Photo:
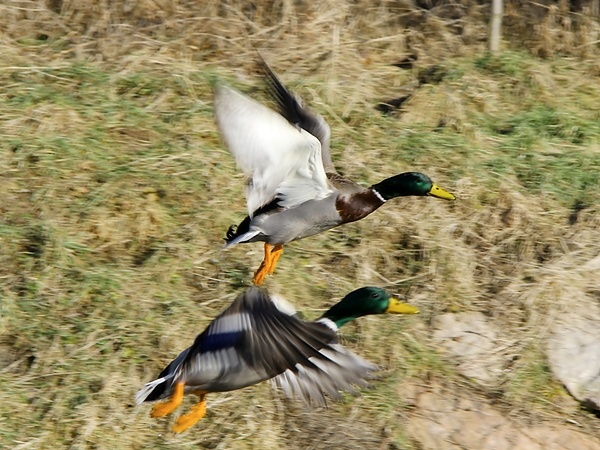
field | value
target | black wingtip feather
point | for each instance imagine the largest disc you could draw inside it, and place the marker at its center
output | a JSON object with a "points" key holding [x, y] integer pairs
{"points": [[288, 105]]}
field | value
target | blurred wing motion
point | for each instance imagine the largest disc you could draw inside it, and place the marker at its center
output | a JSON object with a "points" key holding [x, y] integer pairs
{"points": [[258, 338]]}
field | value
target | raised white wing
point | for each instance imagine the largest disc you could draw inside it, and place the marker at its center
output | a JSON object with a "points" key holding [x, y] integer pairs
{"points": [[291, 107], [280, 159]]}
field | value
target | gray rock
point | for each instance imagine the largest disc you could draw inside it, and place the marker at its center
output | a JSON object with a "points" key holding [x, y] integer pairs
{"points": [[574, 354], [473, 341], [447, 421]]}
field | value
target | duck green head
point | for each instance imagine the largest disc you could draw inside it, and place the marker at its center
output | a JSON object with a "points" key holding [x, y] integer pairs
{"points": [[365, 301], [410, 184]]}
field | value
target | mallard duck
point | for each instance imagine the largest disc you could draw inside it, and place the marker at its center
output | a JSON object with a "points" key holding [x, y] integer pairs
{"points": [[294, 190], [258, 338]]}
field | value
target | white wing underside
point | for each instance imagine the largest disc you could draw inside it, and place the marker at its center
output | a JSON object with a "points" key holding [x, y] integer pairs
{"points": [[280, 159]]}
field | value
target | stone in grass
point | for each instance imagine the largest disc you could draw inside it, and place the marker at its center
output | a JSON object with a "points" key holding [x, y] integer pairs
{"points": [[457, 420], [473, 341], [574, 354]]}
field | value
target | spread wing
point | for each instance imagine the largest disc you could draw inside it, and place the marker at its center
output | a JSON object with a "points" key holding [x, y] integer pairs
{"points": [[303, 357], [290, 107], [281, 160]]}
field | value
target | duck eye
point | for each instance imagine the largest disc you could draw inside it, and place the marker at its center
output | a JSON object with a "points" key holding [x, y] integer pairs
{"points": [[374, 295]]}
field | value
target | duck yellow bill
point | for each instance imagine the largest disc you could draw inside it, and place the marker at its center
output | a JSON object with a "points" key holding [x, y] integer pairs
{"points": [[438, 192], [397, 307]]}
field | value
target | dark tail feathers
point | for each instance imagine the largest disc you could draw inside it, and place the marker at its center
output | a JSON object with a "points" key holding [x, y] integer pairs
{"points": [[236, 230]]}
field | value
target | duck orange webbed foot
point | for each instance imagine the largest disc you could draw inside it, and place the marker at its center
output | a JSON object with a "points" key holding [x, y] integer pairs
{"points": [[196, 413], [162, 409]]}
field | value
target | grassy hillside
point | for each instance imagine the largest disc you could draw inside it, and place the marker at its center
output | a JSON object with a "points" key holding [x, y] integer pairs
{"points": [[115, 193]]}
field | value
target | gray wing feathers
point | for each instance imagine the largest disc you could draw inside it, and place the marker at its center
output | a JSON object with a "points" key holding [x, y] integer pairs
{"points": [[304, 357], [338, 369]]}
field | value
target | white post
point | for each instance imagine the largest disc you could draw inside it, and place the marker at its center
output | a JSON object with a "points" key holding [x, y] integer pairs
{"points": [[496, 26]]}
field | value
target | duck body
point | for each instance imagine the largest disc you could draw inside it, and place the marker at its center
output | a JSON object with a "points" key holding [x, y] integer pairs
{"points": [[221, 371], [283, 225], [259, 338], [241, 347], [294, 190]]}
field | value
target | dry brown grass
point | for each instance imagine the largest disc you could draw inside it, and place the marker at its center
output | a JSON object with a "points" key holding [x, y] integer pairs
{"points": [[115, 193]]}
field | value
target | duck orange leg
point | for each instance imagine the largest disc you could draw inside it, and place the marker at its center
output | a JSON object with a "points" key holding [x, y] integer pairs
{"points": [[162, 409], [261, 272], [196, 413], [267, 267], [275, 255]]}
